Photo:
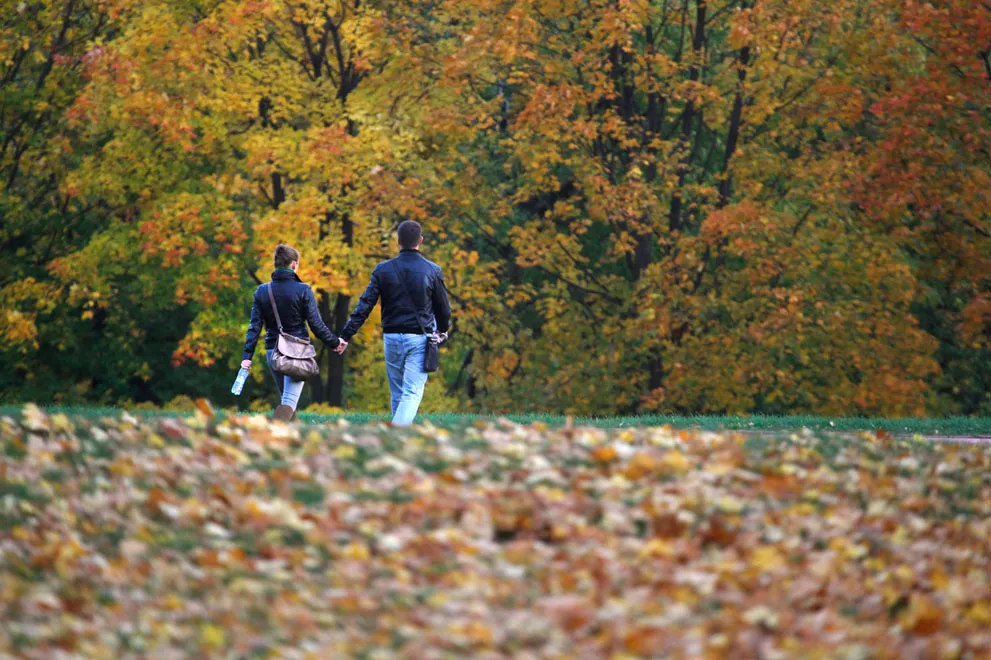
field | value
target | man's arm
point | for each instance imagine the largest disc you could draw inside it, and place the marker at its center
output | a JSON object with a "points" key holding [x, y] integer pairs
{"points": [[316, 323], [254, 330], [365, 305], [442, 307]]}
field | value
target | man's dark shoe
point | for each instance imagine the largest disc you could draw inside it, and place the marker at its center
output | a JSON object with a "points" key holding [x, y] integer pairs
{"points": [[283, 413]]}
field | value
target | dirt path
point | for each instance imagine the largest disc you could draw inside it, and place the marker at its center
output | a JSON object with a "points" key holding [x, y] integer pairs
{"points": [[961, 439], [966, 439]]}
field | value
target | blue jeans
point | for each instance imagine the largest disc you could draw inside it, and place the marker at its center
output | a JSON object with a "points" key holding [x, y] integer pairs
{"points": [[288, 388], [404, 366]]}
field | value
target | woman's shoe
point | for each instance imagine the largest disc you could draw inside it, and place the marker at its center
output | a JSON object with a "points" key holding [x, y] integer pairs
{"points": [[283, 413]]}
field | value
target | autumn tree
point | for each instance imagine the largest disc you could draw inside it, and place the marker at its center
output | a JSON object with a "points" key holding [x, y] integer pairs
{"points": [[59, 339], [640, 205], [663, 196], [270, 130], [926, 177]]}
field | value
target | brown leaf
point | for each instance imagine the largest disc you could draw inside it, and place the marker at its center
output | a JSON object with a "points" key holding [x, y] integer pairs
{"points": [[569, 611], [923, 615], [718, 532]]}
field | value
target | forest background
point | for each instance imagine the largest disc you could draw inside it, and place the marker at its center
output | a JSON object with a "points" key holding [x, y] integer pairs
{"points": [[766, 206]]}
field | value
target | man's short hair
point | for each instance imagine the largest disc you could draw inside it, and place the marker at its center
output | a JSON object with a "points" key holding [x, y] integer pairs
{"points": [[285, 255], [409, 234]]}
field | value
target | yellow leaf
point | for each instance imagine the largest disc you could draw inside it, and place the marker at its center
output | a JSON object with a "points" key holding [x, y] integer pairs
{"points": [[657, 548], [855, 551], [729, 504], [980, 612], [122, 467], [479, 633], [676, 462], [357, 551], [144, 535], [66, 559], [767, 558], [61, 422], [640, 466], [212, 637]]}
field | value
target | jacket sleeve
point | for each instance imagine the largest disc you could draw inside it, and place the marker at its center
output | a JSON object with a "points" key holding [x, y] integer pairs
{"points": [[442, 307], [254, 329], [365, 305], [316, 323]]}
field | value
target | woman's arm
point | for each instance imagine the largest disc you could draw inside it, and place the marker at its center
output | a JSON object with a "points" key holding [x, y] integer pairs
{"points": [[254, 330]]}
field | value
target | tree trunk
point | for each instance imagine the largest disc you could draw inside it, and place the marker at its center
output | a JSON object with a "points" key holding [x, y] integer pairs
{"points": [[677, 201], [335, 366], [333, 386], [735, 121]]}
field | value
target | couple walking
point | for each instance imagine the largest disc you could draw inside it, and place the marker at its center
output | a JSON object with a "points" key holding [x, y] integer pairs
{"points": [[414, 302]]}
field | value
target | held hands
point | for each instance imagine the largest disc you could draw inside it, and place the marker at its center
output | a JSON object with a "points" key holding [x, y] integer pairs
{"points": [[246, 364], [343, 345]]}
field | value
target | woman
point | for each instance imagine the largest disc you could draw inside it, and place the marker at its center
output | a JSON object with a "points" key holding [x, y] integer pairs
{"points": [[297, 306]]}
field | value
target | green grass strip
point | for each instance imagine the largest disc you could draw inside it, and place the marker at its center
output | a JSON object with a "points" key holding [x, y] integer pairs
{"points": [[949, 426]]}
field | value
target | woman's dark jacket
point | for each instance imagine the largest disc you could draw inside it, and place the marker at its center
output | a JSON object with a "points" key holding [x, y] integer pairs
{"points": [[297, 307]]}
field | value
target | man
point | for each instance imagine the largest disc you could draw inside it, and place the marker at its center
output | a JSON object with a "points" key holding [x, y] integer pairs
{"points": [[423, 295], [297, 307]]}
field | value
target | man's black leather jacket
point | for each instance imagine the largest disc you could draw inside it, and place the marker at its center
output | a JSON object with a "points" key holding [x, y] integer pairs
{"points": [[425, 283]]}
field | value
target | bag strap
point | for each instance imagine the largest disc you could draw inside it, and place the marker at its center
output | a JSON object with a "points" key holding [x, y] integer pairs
{"points": [[271, 297], [416, 313]]}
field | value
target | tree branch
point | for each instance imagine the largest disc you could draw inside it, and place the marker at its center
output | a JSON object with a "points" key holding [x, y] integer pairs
{"points": [[980, 230]]}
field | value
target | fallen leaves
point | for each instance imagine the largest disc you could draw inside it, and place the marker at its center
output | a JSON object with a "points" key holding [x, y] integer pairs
{"points": [[923, 616], [605, 454], [237, 537]]}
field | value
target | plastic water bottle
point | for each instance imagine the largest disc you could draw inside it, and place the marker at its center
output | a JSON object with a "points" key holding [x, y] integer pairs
{"points": [[239, 383]]}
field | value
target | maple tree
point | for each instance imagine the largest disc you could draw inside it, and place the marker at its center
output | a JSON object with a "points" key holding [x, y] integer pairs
{"points": [[926, 177], [652, 192]]}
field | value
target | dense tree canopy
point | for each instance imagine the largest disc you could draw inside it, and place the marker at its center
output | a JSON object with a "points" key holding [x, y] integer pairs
{"points": [[640, 205]]}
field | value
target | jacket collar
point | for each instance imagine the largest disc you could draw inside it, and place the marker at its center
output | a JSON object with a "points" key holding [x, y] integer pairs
{"points": [[412, 251], [284, 274]]}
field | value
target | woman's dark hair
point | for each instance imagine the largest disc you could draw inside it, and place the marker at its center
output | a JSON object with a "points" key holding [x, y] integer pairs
{"points": [[285, 255], [409, 234]]}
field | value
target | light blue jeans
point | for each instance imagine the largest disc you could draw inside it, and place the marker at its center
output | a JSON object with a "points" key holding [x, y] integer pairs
{"points": [[404, 366], [289, 389]]}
